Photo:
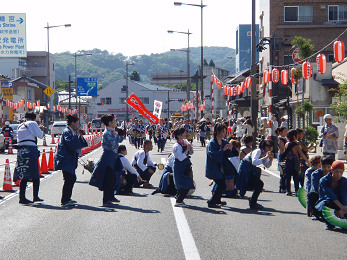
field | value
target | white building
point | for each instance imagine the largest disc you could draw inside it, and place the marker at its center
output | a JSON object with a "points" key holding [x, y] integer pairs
{"points": [[113, 97]]}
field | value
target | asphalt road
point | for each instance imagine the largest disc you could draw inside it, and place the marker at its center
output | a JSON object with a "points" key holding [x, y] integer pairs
{"points": [[147, 226]]}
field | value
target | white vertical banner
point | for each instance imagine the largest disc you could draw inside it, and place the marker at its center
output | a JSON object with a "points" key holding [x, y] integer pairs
{"points": [[158, 105]]}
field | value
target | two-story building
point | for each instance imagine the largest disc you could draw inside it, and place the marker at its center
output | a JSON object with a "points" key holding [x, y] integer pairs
{"points": [[111, 99], [280, 21]]}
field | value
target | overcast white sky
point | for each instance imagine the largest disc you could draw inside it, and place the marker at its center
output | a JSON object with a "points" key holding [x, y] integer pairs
{"points": [[131, 27]]}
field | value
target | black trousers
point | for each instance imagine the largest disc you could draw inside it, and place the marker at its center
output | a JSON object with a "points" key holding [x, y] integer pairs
{"points": [[313, 197], [256, 184], [181, 194], [23, 186], [217, 194], [69, 182], [202, 141], [130, 180], [289, 174], [161, 144], [109, 184]]}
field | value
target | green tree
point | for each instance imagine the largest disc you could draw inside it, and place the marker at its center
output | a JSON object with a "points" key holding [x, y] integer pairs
{"points": [[205, 62], [135, 76], [340, 100], [211, 64], [306, 50]]}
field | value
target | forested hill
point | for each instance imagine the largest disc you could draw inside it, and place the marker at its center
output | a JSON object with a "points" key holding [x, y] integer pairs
{"points": [[109, 67]]}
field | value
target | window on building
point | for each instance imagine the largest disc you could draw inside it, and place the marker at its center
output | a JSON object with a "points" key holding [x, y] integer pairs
{"points": [[145, 100], [298, 13], [337, 13], [288, 59], [108, 101], [121, 100], [29, 94], [102, 100], [331, 57]]}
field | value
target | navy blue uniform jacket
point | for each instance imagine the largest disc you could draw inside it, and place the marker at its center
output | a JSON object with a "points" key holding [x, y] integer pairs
{"points": [[214, 159], [67, 153]]}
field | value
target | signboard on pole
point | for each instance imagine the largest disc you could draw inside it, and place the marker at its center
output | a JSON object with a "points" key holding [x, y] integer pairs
{"points": [[87, 87], [158, 105], [7, 93], [13, 35], [296, 57]]}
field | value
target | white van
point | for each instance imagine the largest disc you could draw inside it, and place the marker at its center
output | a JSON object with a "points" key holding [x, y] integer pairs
{"points": [[58, 127]]}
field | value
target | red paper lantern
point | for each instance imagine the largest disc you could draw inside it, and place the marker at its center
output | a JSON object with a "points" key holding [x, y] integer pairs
{"points": [[339, 51], [230, 91], [49, 105], [8, 103], [38, 103], [306, 70], [266, 76], [58, 107], [321, 63], [219, 85], [248, 82], [53, 108], [30, 105], [34, 105], [225, 90], [213, 78], [243, 86], [234, 91], [238, 90], [275, 75], [292, 76], [284, 77]]}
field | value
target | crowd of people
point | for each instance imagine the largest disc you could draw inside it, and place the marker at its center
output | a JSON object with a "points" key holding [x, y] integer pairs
{"points": [[232, 166]]}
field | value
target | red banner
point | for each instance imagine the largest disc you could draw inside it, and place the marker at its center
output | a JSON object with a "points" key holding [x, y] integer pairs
{"points": [[136, 103]]}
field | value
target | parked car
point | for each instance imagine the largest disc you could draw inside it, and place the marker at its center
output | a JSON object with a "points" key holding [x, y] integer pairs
{"points": [[15, 130], [58, 127]]}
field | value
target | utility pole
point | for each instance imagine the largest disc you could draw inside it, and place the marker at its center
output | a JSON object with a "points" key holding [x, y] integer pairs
{"points": [[254, 99]]}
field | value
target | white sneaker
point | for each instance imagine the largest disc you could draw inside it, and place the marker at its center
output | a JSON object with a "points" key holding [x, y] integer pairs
{"points": [[182, 205]]}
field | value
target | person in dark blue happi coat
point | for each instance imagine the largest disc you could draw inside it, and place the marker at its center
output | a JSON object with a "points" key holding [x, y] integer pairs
{"points": [[313, 193], [249, 175], [166, 183], [315, 165], [218, 149], [104, 175], [333, 191], [70, 143], [182, 167]]}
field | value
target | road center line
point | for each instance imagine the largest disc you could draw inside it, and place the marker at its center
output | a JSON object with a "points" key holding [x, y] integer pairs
{"points": [[187, 240]]}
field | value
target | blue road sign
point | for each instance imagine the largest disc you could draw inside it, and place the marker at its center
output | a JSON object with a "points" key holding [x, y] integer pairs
{"points": [[87, 87]]}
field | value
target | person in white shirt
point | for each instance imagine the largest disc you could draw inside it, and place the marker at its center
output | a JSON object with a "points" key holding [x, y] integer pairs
{"points": [[129, 173], [27, 157], [144, 164]]}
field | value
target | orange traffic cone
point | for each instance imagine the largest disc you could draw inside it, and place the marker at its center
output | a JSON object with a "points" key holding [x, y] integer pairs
{"points": [[51, 160], [52, 142], [44, 140], [44, 168], [7, 186], [10, 151]]}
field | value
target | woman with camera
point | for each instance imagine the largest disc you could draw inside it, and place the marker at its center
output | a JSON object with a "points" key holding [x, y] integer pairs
{"points": [[66, 158], [104, 175]]}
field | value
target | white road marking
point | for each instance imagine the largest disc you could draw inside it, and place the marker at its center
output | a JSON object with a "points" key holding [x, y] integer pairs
{"points": [[189, 247]]}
